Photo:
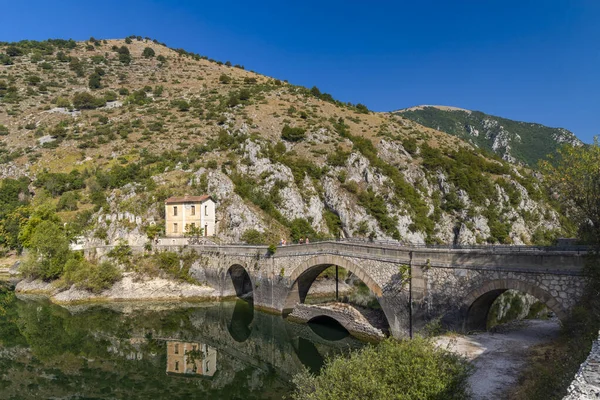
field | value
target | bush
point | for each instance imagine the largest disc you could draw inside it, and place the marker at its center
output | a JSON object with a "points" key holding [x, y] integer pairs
{"points": [[148, 52], [95, 81], [225, 79], [252, 236], [87, 101], [293, 134], [90, 276], [398, 370], [3, 130]]}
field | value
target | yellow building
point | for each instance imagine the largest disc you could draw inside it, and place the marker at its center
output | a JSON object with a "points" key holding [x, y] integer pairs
{"points": [[198, 211], [191, 358]]}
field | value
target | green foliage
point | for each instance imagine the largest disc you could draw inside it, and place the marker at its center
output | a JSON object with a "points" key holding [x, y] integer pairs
{"points": [[573, 176], [59, 183], [121, 253], [49, 251], [181, 104], [293, 134], [333, 221], [405, 370], [148, 52], [95, 81], [68, 202], [254, 237], [3, 130], [224, 79], [534, 143], [90, 276], [376, 206], [361, 108], [87, 101], [337, 158], [300, 228], [138, 97]]}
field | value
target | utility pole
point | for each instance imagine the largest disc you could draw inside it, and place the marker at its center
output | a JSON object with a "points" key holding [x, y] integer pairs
{"points": [[410, 306], [336, 284]]}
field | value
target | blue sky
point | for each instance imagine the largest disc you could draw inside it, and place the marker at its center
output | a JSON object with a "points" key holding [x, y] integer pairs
{"points": [[535, 61]]}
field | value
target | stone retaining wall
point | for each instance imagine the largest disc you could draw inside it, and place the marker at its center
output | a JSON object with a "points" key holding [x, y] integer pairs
{"points": [[586, 384]]}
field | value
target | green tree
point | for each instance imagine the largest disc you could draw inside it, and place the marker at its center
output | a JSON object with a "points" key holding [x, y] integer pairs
{"points": [[573, 174], [95, 81], [392, 370], [148, 52], [49, 251]]}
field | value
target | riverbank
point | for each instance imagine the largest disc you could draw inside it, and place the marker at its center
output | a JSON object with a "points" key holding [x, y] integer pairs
{"points": [[135, 287], [500, 357], [132, 287]]}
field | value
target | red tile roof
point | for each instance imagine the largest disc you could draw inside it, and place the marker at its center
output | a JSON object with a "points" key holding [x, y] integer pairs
{"points": [[188, 199]]}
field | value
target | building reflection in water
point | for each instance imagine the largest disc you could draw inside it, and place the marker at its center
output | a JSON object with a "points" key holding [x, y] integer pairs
{"points": [[191, 358]]}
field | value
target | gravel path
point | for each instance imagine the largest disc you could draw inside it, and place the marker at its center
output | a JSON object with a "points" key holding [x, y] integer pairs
{"points": [[499, 357]]}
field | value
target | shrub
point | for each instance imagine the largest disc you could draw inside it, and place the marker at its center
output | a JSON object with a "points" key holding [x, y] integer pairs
{"points": [[293, 134], [409, 369], [225, 79], [361, 108], [90, 276], [148, 52], [95, 81], [252, 236], [63, 102], [3, 130], [87, 101]]}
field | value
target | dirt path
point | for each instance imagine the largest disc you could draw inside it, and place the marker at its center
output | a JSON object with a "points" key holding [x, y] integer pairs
{"points": [[499, 357]]}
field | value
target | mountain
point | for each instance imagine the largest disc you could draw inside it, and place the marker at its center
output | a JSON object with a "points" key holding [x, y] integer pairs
{"points": [[514, 141], [106, 130]]}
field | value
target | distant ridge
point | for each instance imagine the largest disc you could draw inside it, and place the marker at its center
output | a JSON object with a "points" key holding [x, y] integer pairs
{"points": [[515, 141]]}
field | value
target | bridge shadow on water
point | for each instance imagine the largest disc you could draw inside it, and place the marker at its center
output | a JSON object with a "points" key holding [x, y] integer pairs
{"points": [[240, 326], [328, 328]]}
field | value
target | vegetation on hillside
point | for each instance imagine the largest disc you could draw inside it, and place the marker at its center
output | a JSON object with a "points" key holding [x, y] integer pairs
{"points": [[528, 142]]}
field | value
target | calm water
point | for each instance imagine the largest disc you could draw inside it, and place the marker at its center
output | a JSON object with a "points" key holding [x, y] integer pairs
{"points": [[154, 351]]}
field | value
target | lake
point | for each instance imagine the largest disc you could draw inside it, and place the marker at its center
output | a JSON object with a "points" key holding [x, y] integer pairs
{"points": [[224, 350]]}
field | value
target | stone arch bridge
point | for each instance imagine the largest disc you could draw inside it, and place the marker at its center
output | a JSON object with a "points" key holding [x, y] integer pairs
{"points": [[412, 284]]}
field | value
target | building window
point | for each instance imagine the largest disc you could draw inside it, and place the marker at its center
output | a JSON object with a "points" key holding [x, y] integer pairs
{"points": [[174, 211], [176, 348], [205, 230], [176, 365], [205, 210], [193, 210], [175, 228]]}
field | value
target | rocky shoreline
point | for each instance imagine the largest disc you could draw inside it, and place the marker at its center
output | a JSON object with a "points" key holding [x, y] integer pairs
{"points": [[131, 288]]}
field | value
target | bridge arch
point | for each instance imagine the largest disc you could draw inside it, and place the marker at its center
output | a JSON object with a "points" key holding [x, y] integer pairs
{"points": [[238, 282], [305, 274], [478, 302]]}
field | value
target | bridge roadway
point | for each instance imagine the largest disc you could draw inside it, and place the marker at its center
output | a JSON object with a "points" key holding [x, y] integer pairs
{"points": [[413, 284]]}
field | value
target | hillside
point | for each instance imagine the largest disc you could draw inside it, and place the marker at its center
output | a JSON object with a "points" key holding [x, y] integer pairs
{"points": [[106, 130], [514, 141]]}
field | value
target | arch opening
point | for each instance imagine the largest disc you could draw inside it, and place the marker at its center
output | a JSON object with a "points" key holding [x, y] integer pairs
{"points": [[328, 328], [242, 284], [484, 304], [357, 289]]}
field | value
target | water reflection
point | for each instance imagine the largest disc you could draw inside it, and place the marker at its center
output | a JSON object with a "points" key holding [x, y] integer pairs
{"points": [[240, 326], [191, 358], [328, 328], [121, 351]]}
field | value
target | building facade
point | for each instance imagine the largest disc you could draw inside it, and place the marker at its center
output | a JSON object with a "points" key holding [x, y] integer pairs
{"points": [[184, 212]]}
